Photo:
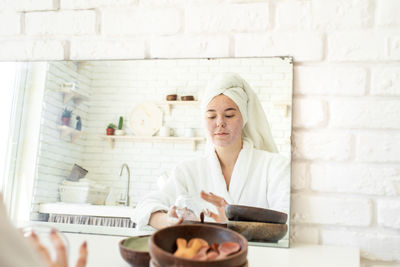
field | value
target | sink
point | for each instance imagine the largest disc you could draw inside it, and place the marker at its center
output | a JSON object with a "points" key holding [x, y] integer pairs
{"points": [[86, 209]]}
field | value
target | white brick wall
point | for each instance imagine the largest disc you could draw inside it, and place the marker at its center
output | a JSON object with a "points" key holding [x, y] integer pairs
{"points": [[57, 156], [62, 22], [346, 53]]}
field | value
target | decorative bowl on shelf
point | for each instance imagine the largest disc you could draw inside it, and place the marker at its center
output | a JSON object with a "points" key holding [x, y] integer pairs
{"points": [[172, 97], [187, 98]]}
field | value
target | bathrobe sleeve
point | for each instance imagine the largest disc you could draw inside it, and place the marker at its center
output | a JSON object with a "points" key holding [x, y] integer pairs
{"points": [[160, 200], [278, 190]]}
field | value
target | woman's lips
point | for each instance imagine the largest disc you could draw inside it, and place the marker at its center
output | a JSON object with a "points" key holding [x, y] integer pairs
{"points": [[221, 134]]}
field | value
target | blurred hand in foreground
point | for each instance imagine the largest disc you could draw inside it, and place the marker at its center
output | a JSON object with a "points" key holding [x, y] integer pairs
{"points": [[61, 253]]}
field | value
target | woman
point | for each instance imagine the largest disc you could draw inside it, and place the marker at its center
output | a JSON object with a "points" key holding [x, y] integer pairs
{"points": [[240, 166]]}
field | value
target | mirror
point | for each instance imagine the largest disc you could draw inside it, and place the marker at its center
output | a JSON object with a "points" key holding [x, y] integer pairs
{"points": [[68, 106]]}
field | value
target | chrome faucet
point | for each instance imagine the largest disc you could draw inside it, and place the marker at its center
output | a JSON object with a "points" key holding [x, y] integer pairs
{"points": [[126, 202]]}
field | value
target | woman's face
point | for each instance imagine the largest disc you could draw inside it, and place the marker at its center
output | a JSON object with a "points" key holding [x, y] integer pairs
{"points": [[223, 121]]}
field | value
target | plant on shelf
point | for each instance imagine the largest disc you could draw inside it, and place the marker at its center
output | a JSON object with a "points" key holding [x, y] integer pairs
{"points": [[119, 131], [111, 128], [66, 117]]}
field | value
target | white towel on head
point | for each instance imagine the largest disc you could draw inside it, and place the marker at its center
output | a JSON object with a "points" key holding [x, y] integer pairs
{"points": [[255, 124]]}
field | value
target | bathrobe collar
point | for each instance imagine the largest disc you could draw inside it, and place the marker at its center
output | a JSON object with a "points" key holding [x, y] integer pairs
{"points": [[239, 174]]}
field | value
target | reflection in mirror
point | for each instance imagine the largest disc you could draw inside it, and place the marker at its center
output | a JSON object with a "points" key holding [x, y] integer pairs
{"points": [[113, 132]]}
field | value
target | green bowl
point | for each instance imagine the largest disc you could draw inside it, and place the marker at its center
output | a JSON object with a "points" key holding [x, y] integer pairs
{"points": [[135, 250]]}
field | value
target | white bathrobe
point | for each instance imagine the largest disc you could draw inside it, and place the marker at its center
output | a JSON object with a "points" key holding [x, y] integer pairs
{"points": [[259, 179]]}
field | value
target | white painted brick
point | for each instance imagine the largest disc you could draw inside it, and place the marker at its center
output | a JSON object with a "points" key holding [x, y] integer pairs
{"points": [[387, 13], [190, 46], [378, 147], [10, 23], [303, 46], [107, 49], [356, 178], [365, 113], [357, 45], [300, 174], [309, 113], [63, 22], [31, 50], [141, 21], [388, 213], [161, 3], [304, 234], [293, 15], [85, 4], [373, 245], [329, 80], [394, 47], [330, 15], [36, 5], [225, 18], [325, 145], [386, 81], [331, 210]]}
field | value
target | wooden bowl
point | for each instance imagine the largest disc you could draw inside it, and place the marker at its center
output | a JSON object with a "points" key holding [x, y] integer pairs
{"points": [[253, 214], [162, 245], [171, 97], [259, 232], [187, 98], [134, 250], [223, 225]]}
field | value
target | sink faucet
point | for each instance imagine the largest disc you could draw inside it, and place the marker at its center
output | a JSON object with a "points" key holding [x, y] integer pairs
{"points": [[126, 201]]}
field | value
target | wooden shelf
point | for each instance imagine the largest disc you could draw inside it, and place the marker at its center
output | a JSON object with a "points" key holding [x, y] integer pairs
{"points": [[111, 139], [168, 104], [69, 131], [70, 93]]}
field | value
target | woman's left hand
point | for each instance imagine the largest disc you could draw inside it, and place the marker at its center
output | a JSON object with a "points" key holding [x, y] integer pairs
{"points": [[219, 202]]}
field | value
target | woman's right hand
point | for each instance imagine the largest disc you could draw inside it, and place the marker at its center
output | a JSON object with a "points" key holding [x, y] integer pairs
{"points": [[162, 219], [173, 218]]}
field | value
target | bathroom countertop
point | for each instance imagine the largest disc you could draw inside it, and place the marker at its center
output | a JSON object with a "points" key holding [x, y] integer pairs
{"points": [[104, 251]]}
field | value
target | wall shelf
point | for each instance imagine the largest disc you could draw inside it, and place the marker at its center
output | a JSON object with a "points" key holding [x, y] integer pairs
{"points": [[70, 93], [112, 138], [69, 131], [168, 104]]}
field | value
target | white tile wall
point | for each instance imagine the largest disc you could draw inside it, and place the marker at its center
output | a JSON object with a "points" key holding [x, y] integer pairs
{"points": [[57, 156]]}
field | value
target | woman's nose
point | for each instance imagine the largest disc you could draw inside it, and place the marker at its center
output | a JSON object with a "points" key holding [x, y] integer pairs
{"points": [[221, 122]]}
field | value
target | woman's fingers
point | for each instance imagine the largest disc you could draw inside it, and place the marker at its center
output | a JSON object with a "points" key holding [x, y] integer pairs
{"points": [[217, 217], [82, 255], [173, 218], [213, 199], [61, 252], [40, 248], [172, 212]]}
